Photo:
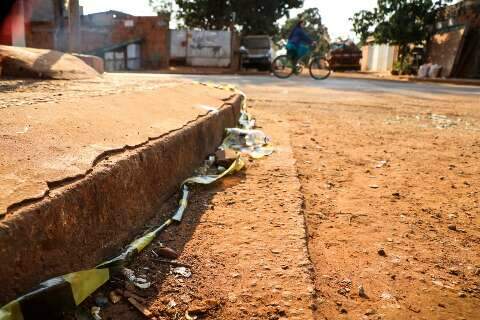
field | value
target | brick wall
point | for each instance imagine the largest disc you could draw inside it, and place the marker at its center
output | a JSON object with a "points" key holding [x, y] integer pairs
{"points": [[154, 32]]}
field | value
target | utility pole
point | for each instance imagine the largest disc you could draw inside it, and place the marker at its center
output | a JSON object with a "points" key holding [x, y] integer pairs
{"points": [[74, 25]]}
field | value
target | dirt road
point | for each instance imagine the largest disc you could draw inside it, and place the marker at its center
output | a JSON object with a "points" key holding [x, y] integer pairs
{"points": [[387, 184], [391, 189], [369, 209]]}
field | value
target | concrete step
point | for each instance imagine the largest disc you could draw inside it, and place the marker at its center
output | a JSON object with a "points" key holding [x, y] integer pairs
{"points": [[80, 179]]}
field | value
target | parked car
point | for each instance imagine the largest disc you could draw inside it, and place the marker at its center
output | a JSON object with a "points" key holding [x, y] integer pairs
{"points": [[257, 52], [345, 55]]}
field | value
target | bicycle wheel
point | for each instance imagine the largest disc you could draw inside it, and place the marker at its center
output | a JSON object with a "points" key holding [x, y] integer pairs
{"points": [[319, 68], [282, 67]]}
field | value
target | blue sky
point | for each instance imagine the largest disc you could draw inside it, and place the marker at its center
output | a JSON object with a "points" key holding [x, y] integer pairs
{"points": [[335, 13]]}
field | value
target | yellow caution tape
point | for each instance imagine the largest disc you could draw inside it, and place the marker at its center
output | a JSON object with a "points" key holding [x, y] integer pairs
{"points": [[83, 283], [11, 311]]}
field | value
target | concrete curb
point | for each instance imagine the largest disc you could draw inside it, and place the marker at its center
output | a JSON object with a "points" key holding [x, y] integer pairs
{"points": [[459, 82], [82, 223]]}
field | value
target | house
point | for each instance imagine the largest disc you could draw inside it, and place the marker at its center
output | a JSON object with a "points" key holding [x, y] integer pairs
{"points": [[127, 42], [455, 44]]}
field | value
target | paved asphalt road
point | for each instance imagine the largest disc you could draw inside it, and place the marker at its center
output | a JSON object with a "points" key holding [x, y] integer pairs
{"points": [[340, 84]]}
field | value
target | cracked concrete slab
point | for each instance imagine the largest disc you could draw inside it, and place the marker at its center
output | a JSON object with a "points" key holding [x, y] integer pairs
{"points": [[44, 145]]}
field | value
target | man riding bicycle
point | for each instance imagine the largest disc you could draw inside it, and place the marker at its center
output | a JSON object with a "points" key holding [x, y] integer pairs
{"points": [[299, 42]]}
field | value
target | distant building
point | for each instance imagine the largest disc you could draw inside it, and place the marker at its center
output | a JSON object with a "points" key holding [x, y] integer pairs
{"points": [[104, 19], [378, 57], [37, 24], [455, 44], [127, 42], [124, 40]]}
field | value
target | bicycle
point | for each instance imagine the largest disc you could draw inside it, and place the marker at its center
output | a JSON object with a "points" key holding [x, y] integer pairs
{"points": [[318, 66]]}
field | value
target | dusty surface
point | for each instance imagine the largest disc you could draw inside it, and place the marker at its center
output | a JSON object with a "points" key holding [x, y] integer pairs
{"points": [[43, 64], [383, 178], [389, 181], [394, 172], [244, 241], [45, 143]]}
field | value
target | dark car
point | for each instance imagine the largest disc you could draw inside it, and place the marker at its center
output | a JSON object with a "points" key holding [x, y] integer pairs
{"points": [[345, 55]]}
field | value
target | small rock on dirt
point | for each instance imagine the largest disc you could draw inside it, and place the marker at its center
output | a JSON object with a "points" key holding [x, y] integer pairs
{"points": [[381, 252], [452, 227], [361, 292], [202, 307], [167, 252]]}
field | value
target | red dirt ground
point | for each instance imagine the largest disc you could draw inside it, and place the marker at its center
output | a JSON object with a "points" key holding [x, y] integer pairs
{"points": [[375, 190]]}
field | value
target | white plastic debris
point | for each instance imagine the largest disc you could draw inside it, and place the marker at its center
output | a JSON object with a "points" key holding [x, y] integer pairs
{"points": [[139, 282], [381, 164], [95, 312], [182, 271], [189, 317]]}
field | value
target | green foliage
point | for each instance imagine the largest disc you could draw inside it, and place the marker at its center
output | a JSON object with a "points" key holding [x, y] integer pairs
{"points": [[162, 6], [398, 22], [313, 26], [251, 16]]}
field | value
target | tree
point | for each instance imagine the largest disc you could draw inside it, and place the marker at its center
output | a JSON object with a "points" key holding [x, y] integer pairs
{"points": [[313, 25], [161, 6], [398, 22], [251, 16]]}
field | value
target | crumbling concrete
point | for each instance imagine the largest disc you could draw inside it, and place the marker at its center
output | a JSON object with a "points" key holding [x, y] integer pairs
{"points": [[82, 219]]}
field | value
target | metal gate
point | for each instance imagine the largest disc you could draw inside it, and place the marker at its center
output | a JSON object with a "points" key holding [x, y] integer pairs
{"points": [[203, 48]]}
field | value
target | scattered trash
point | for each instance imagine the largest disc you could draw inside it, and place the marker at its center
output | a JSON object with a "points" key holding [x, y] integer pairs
{"points": [[167, 252], [442, 121], [139, 282], [182, 271], [381, 164], [147, 313], [114, 297], [95, 312]]}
